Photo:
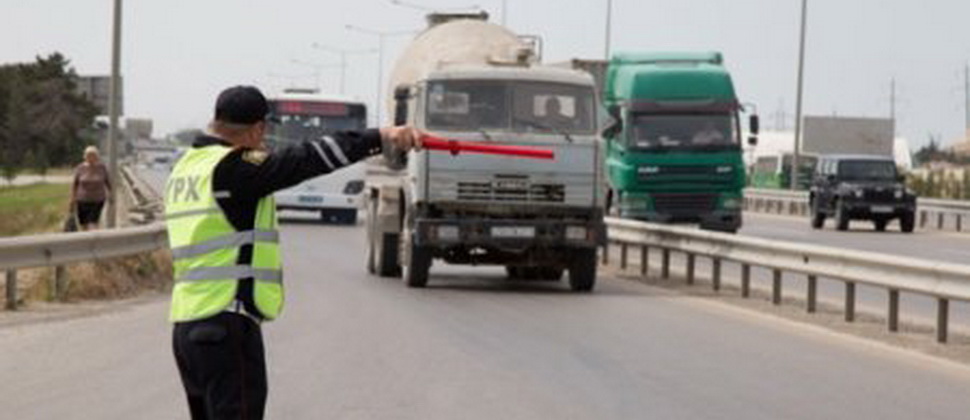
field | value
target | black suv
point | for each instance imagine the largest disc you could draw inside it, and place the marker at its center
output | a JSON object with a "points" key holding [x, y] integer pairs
{"points": [[860, 187]]}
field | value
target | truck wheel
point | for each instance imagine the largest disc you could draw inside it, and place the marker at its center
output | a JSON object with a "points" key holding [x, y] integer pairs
{"points": [[371, 235], [907, 222], [387, 263], [841, 216], [880, 224], [419, 263], [582, 270], [818, 218]]}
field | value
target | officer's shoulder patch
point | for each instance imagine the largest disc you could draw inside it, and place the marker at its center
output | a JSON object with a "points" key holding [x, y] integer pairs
{"points": [[254, 156]]}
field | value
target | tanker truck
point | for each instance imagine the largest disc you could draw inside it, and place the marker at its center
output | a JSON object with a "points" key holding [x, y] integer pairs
{"points": [[466, 79]]}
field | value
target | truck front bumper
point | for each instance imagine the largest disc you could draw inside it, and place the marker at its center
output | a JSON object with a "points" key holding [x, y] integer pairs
{"points": [[509, 233]]}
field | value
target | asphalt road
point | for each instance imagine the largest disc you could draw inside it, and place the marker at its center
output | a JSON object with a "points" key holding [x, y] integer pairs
{"points": [[474, 346], [927, 244]]}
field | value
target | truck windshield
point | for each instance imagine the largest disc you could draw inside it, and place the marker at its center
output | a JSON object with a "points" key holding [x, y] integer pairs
{"points": [[511, 106], [694, 131], [867, 170]]}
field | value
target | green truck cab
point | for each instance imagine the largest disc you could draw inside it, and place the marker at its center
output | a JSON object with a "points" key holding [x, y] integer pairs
{"points": [[673, 151]]}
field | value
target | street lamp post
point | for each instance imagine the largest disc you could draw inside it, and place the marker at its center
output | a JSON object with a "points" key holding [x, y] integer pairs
{"points": [[114, 90], [609, 27], [343, 53], [798, 100], [381, 36]]}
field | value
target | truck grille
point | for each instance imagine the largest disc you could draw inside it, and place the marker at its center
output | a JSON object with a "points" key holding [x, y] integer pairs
{"points": [[511, 188], [689, 173], [684, 204]]}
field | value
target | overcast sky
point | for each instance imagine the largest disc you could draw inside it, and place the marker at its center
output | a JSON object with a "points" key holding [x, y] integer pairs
{"points": [[178, 54]]}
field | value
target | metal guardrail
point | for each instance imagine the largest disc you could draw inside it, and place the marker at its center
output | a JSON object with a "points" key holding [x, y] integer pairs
{"points": [[896, 274], [146, 202], [55, 250], [945, 214]]}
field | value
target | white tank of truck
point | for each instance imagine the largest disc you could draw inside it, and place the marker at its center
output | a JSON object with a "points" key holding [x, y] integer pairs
{"points": [[470, 80]]}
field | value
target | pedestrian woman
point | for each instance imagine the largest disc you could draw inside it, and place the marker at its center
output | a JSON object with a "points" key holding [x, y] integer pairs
{"points": [[90, 190]]}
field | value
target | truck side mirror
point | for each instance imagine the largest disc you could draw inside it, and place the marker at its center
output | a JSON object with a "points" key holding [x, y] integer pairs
{"points": [[401, 96], [754, 124], [615, 124]]}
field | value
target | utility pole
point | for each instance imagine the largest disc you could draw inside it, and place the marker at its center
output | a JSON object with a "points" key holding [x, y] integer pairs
{"points": [[892, 105], [609, 28], [798, 100], [966, 97], [114, 91]]}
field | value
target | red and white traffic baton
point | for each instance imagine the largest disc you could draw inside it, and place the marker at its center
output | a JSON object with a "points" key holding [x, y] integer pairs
{"points": [[455, 147]]}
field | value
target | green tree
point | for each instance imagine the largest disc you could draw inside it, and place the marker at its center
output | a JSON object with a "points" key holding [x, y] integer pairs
{"points": [[41, 113]]}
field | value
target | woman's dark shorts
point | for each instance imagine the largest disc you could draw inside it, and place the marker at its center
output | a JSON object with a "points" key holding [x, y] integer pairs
{"points": [[89, 213]]}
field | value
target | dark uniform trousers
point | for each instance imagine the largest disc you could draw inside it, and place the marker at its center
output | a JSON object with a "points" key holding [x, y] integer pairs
{"points": [[222, 364]]}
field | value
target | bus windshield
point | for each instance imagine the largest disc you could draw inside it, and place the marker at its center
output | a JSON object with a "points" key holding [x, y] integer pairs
{"points": [[542, 107], [295, 121], [683, 131]]}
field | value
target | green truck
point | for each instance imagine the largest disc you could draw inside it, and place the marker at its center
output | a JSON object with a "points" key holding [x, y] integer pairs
{"points": [[673, 149]]}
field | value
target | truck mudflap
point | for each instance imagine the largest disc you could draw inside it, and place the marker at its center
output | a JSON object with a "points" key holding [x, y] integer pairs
{"points": [[509, 233]]}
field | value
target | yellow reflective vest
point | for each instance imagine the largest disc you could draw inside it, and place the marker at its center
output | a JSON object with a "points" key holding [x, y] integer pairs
{"points": [[205, 246]]}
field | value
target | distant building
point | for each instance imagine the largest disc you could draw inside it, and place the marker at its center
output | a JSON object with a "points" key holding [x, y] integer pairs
{"points": [[138, 128], [96, 89]]}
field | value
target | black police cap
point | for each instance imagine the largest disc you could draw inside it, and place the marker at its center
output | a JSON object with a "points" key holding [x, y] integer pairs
{"points": [[241, 105]]}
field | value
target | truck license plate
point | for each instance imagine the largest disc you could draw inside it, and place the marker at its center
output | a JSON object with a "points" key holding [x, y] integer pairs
{"points": [[881, 209], [314, 199], [513, 232]]}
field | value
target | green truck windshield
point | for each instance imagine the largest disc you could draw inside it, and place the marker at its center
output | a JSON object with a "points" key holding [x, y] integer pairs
{"points": [[692, 131], [472, 105]]}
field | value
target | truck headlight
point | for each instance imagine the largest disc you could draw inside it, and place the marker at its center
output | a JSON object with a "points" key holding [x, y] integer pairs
{"points": [[858, 193], [731, 203], [354, 187], [899, 194], [447, 232], [576, 233]]}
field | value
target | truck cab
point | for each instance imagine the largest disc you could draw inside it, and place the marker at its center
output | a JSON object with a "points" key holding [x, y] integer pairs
{"points": [[674, 152]]}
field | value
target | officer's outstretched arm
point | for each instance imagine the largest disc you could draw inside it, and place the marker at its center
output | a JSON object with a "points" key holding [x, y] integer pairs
{"points": [[256, 173]]}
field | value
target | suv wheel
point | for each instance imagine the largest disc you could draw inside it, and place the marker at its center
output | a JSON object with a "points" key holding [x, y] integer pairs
{"points": [[841, 216], [907, 222], [818, 218]]}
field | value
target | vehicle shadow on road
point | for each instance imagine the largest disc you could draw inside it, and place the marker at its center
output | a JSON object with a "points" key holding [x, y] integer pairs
{"points": [[499, 284]]}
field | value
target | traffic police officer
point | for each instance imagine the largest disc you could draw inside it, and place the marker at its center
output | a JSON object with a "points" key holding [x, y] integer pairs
{"points": [[222, 230]]}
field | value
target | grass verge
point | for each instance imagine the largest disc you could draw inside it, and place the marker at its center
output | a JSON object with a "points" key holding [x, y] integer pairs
{"points": [[30, 209]]}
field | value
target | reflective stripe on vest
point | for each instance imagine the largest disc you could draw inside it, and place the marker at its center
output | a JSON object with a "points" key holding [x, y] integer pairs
{"points": [[206, 247]]}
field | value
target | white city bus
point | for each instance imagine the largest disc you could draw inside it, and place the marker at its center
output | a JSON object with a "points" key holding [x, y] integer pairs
{"points": [[303, 115]]}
